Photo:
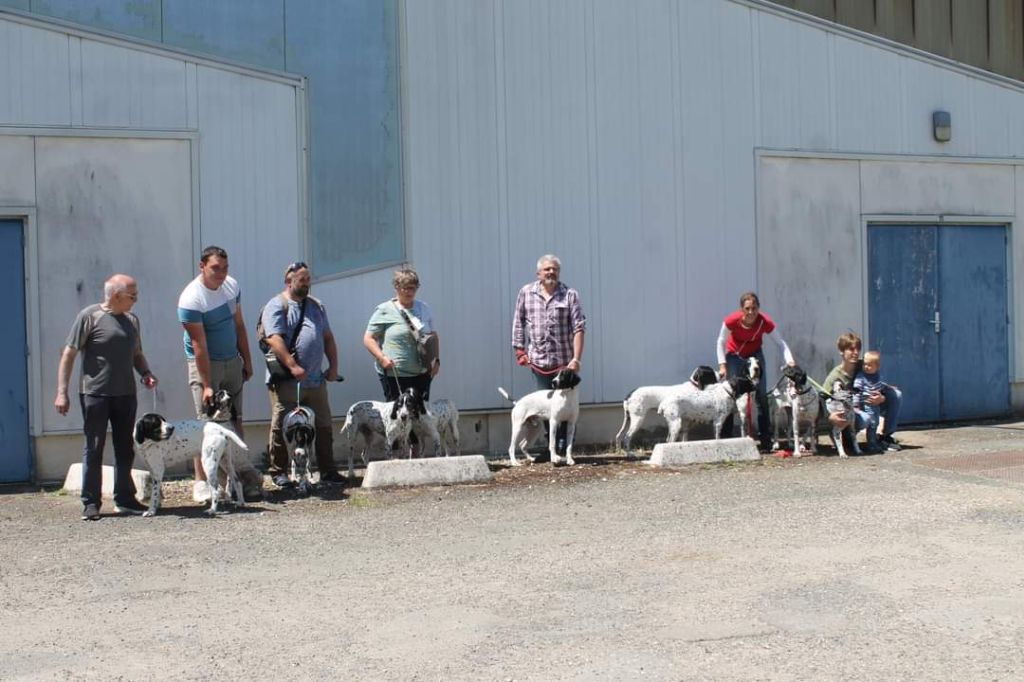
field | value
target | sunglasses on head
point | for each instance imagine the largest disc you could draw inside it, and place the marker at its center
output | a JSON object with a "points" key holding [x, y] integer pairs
{"points": [[297, 265]]}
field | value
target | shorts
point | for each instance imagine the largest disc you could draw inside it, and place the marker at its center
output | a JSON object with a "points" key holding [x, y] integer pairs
{"points": [[224, 375]]}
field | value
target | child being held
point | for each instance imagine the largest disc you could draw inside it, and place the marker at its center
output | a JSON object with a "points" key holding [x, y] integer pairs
{"points": [[868, 383]]}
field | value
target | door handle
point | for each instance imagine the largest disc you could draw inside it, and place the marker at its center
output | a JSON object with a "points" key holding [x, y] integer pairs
{"points": [[937, 321]]}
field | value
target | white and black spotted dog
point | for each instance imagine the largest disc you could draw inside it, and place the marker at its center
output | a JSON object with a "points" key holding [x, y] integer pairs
{"points": [[841, 401], [797, 408], [560, 404], [299, 430], [372, 423], [162, 444], [644, 400], [746, 405], [439, 425], [685, 409]]}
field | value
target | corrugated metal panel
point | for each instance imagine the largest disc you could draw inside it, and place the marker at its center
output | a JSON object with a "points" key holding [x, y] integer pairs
{"points": [[856, 13], [1006, 37], [17, 172], [33, 76], [895, 20], [128, 89], [248, 161], [970, 32], [247, 130], [933, 30], [621, 136]]}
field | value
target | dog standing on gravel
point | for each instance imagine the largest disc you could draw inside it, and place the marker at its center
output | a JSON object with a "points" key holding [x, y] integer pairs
{"points": [[645, 399], [439, 424], [805, 404], [714, 405], [162, 444], [371, 422], [560, 404], [299, 431]]}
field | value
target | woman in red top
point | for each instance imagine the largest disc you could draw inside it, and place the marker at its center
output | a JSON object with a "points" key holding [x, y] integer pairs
{"points": [[741, 338]]}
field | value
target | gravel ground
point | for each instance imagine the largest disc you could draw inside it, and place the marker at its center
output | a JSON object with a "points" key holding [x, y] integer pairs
{"points": [[896, 567]]}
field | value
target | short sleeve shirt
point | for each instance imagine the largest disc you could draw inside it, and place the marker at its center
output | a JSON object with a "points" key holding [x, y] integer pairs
{"points": [[309, 346], [743, 341], [108, 344], [396, 338], [215, 309]]}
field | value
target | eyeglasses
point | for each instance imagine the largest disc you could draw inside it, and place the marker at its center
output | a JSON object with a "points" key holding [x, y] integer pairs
{"points": [[410, 287], [297, 265]]}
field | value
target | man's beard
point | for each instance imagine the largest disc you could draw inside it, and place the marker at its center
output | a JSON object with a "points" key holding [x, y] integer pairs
{"points": [[300, 292], [550, 281]]}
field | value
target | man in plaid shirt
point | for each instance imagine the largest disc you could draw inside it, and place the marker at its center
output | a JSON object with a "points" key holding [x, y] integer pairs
{"points": [[548, 326]]}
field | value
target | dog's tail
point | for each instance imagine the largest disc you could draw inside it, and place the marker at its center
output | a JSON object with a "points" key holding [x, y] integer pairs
{"points": [[505, 395], [625, 423], [234, 437]]}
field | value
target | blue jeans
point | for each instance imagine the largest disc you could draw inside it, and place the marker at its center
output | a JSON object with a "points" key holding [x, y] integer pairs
{"points": [[737, 366], [97, 411], [868, 416], [543, 382]]}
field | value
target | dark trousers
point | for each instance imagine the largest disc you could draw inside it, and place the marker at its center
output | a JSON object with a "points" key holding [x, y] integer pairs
{"points": [[737, 366], [544, 384], [97, 411], [282, 401], [393, 387]]}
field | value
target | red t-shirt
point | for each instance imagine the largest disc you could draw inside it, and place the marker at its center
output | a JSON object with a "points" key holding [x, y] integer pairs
{"points": [[742, 341]]}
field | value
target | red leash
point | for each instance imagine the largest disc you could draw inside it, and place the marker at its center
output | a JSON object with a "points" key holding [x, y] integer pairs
{"points": [[536, 369]]}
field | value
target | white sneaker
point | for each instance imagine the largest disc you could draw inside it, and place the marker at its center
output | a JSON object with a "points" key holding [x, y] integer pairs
{"points": [[200, 491]]}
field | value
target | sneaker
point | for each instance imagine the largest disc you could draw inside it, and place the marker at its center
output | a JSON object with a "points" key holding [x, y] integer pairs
{"points": [[200, 491], [872, 449], [331, 477], [91, 513], [282, 481], [133, 507]]}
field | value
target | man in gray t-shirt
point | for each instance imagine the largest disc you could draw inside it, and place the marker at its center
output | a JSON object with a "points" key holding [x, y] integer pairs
{"points": [[314, 342], [107, 334]]}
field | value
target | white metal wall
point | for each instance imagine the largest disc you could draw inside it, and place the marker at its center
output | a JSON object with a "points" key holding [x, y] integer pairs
{"points": [[132, 158], [622, 136]]}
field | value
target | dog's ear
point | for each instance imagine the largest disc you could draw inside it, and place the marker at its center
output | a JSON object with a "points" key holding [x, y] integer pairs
{"points": [[394, 407], [572, 380], [137, 432]]}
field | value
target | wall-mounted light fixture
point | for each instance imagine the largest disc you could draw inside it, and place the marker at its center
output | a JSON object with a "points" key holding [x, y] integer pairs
{"points": [[942, 127]]}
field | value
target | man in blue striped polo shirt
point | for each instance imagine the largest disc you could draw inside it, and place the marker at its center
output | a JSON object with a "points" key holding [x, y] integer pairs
{"points": [[217, 352]]}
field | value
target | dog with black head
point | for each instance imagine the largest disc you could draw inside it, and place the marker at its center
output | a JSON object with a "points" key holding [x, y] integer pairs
{"points": [[370, 423], [713, 405], [161, 444], [299, 431], [644, 400], [805, 404], [560, 404]]}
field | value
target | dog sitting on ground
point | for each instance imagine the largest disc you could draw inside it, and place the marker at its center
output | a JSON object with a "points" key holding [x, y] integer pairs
{"points": [[714, 405], [299, 431], [841, 402], [440, 425], [645, 399], [560, 404], [373, 423], [162, 444], [804, 403]]}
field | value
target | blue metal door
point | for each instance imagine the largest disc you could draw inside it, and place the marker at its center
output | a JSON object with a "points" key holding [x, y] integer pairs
{"points": [[15, 456], [937, 310]]}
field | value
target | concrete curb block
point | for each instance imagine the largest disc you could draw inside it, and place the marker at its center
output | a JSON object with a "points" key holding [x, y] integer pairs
{"points": [[73, 481], [704, 452], [427, 471]]}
